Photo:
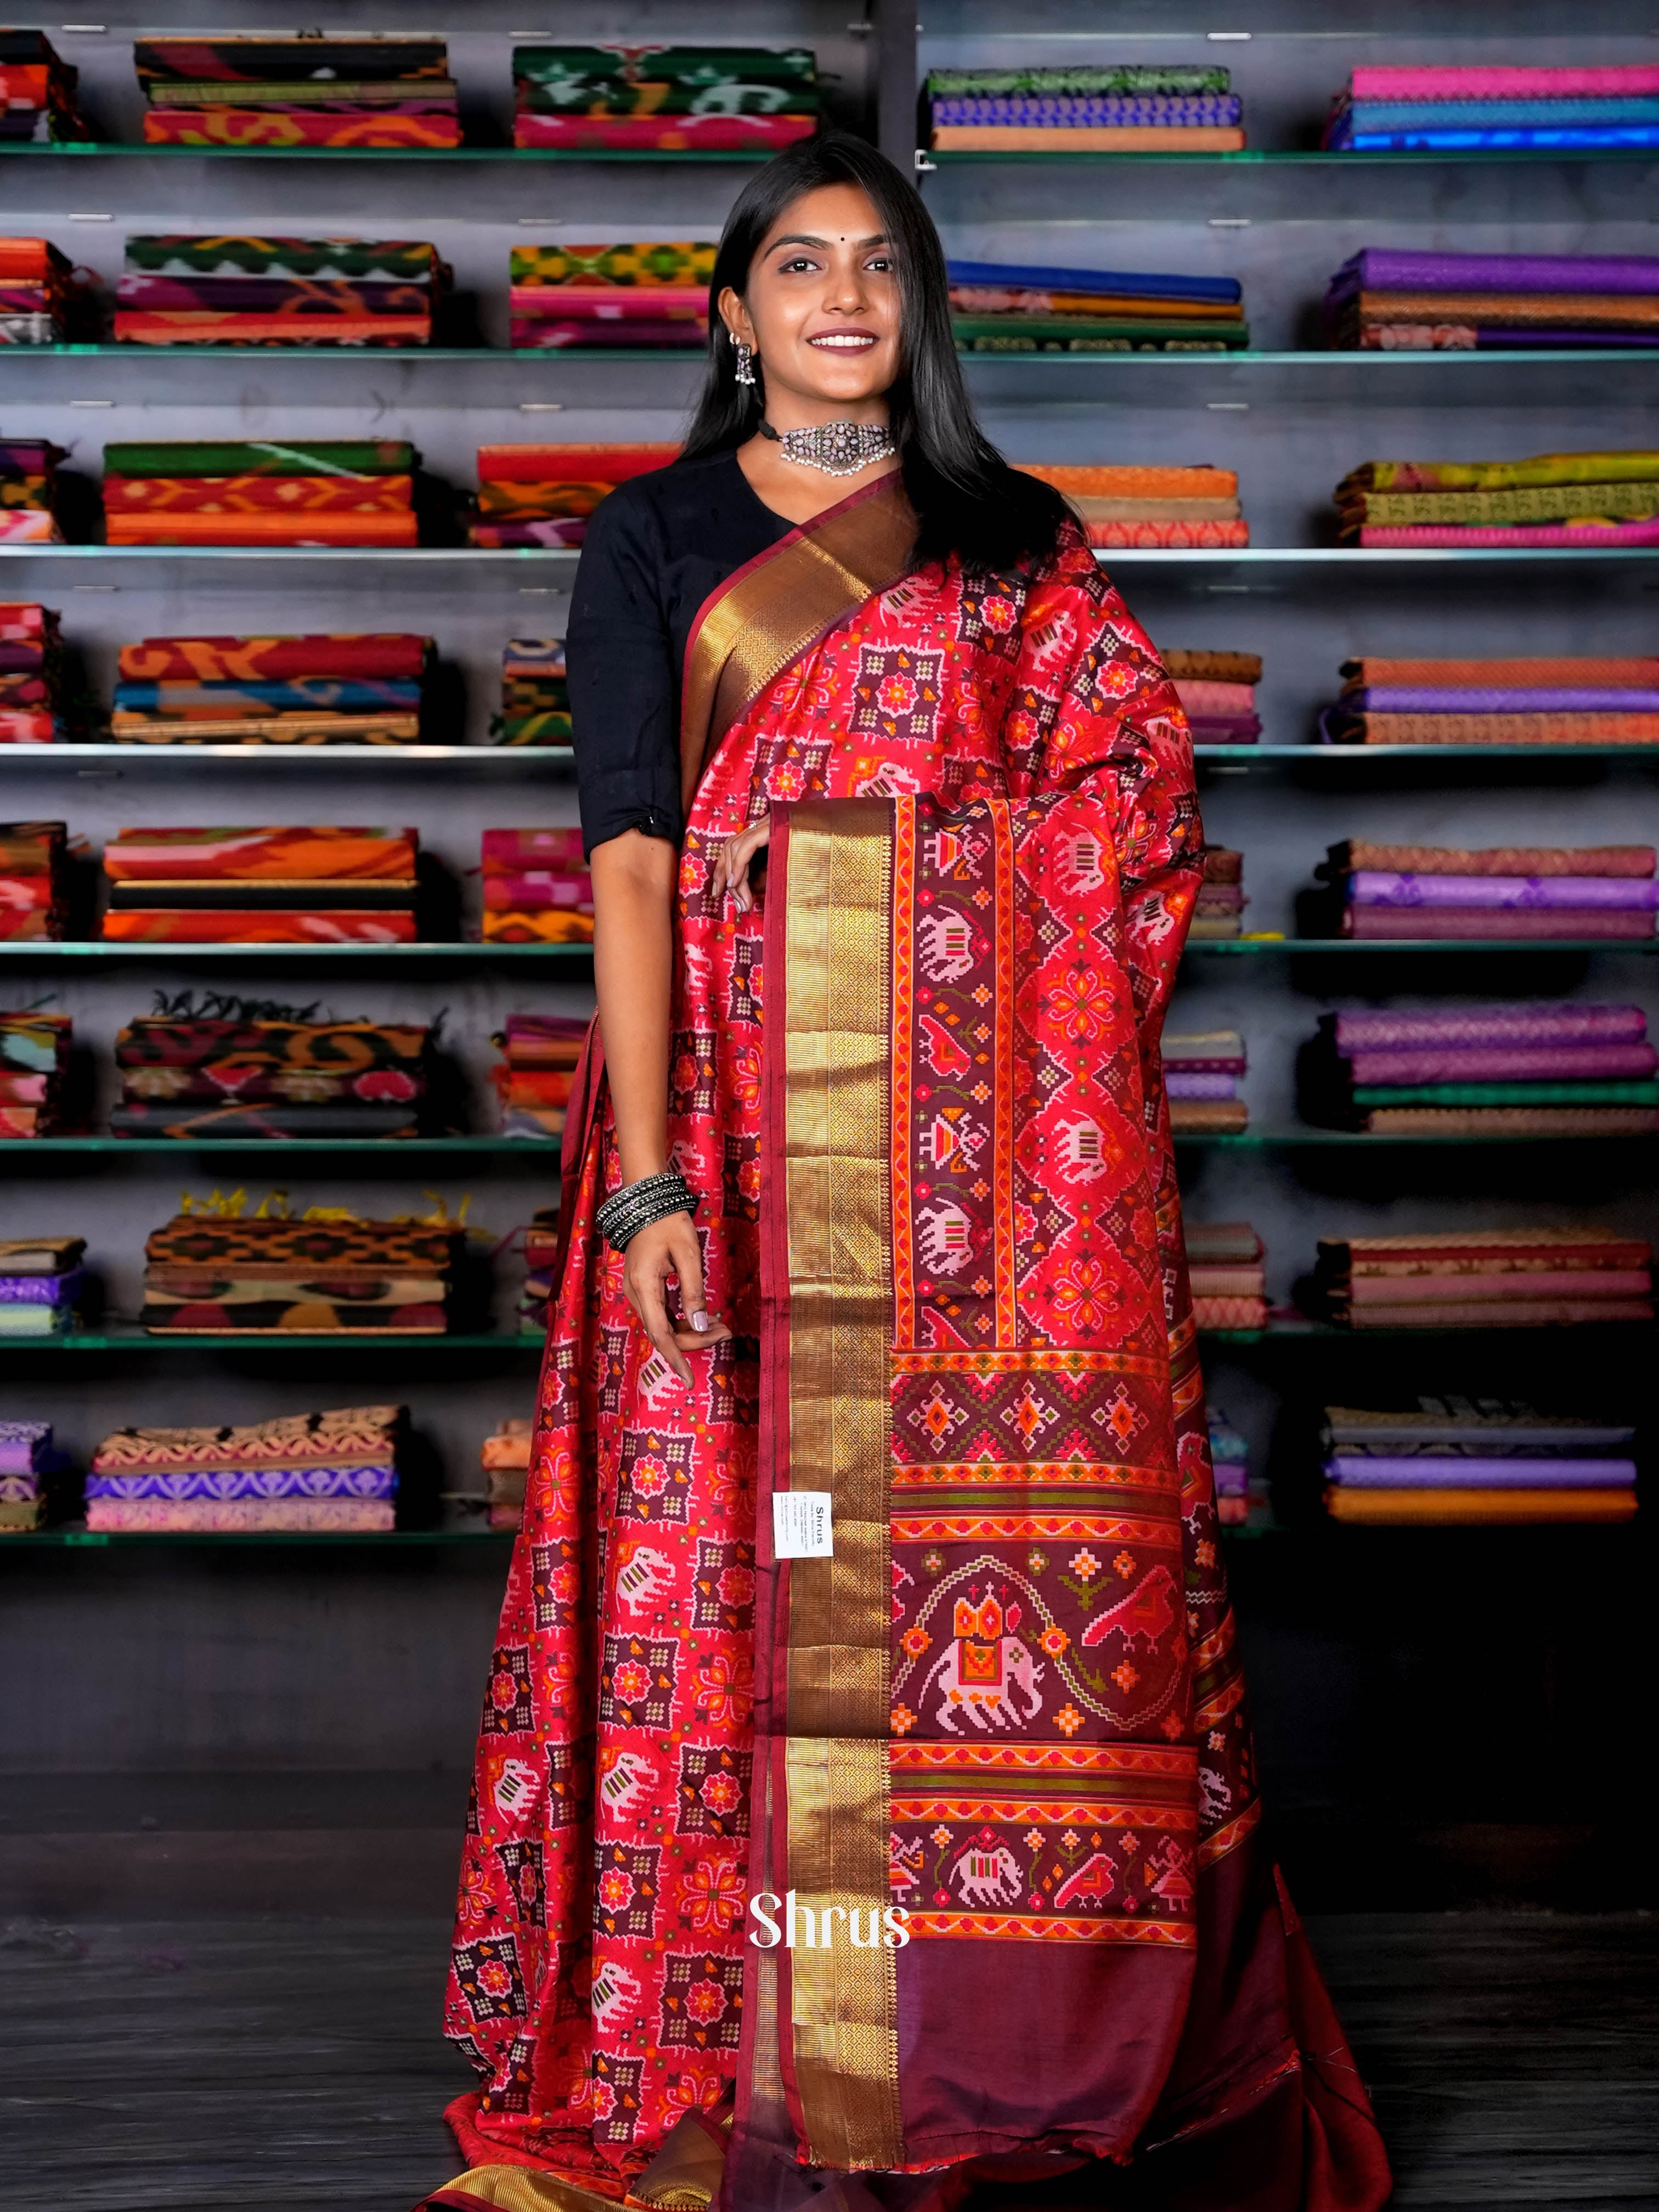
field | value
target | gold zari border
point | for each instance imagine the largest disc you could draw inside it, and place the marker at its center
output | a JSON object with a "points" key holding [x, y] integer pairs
{"points": [[844, 2006]]}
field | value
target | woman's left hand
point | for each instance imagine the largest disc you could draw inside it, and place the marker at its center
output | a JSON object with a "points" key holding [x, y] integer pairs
{"points": [[732, 864]]}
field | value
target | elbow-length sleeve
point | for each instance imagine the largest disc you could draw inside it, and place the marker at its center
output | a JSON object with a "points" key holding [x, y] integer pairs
{"points": [[624, 691]]}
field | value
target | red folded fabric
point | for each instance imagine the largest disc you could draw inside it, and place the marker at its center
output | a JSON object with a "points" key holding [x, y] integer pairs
{"points": [[664, 133], [538, 888], [301, 496], [559, 849], [229, 926], [391, 654], [584, 464], [262, 530]]}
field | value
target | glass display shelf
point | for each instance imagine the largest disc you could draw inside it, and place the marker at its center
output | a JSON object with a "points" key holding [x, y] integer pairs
{"points": [[105, 759], [389, 1149], [129, 1337], [50, 953], [215, 1539]]}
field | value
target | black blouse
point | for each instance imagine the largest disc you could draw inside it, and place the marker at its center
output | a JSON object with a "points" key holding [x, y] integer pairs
{"points": [[655, 550]]}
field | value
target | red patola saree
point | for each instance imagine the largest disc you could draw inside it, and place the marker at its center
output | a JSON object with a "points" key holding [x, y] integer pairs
{"points": [[921, 1094]]}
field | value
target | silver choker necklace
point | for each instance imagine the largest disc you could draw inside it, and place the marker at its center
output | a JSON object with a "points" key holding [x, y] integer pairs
{"points": [[837, 449]]}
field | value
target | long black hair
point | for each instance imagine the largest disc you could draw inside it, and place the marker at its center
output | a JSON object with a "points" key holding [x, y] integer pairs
{"points": [[968, 501]]}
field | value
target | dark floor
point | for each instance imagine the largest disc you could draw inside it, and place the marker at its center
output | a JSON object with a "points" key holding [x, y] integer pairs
{"points": [[295, 2066]]}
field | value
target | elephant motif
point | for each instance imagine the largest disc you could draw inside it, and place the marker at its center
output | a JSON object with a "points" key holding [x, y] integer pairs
{"points": [[644, 1576], [986, 1876], [986, 1674]]}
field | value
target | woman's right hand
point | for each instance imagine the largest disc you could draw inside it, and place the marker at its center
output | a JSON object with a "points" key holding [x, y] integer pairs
{"points": [[661, 1249]]}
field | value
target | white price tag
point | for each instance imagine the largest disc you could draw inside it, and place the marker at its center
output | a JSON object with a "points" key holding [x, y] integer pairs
{"points": [[802, 1525]]}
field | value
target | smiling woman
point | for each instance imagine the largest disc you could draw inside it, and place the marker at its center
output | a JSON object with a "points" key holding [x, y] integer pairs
{"points": [[871, 1196]]}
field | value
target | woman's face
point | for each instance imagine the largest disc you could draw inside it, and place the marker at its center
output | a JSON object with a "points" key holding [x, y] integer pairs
{"points": [[822, 310]]}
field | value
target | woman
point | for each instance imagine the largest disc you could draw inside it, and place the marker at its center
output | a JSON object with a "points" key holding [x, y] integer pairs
{"points": [[873, 1200]]}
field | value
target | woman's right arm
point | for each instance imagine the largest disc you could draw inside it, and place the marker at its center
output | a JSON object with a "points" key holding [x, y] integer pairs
{"points": [[634, 878]]}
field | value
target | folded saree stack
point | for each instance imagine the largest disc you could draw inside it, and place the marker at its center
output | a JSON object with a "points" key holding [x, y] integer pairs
{"points": [[1580, 1069], [278, 291], [310, 1473], [1221, 901], [27, 1461], [1200, 1075], [216, 1274], [33, 881], [1462, 108], [1217, 692], [709, 99], [31, 675], [1448, 1461], [29, 491], [1130, 505], [1223, 1265], [257, 491], [33, 1060], [352, 688], [537, 888], [646, 294], [1009, 308], [544, 494], [270, 1073], [533, 1081], [1242, 1500], [289, 885], [1393, 303], [505, 1461], [535, 694], [1486, 1278], [1504, 891], [1571, 699], [1130, 108], [370, 90], [1555, 499], [41, 1278], [37, 92], [36, 299], [541, 1259]]}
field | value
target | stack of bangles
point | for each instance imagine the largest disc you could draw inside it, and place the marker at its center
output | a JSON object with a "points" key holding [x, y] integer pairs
{"points": [[637, 1205]]}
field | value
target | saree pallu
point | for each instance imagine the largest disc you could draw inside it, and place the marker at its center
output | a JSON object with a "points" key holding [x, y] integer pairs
{"points": [[256, 495], [940, 1216], [675, 134], [382, 530], [257, 127]]}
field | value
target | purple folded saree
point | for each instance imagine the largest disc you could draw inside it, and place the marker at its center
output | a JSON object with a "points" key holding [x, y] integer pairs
{"points": [[248, 1482], [1411, 1066], [1380, 887], [1420, 699], [1225, 729], [1384, 269], [1531, 1027], [1544, 924], [1181, 1086], [1361, 1471]]}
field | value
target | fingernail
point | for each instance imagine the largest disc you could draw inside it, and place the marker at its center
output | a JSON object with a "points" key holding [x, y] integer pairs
{"points": [[700, 1322]]}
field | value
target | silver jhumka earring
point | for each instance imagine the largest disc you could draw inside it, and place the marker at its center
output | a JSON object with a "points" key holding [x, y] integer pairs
{"points": [[745, 374]]}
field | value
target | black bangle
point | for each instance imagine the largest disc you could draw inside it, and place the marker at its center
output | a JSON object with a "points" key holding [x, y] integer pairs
{"points": [[637, 1205]]}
